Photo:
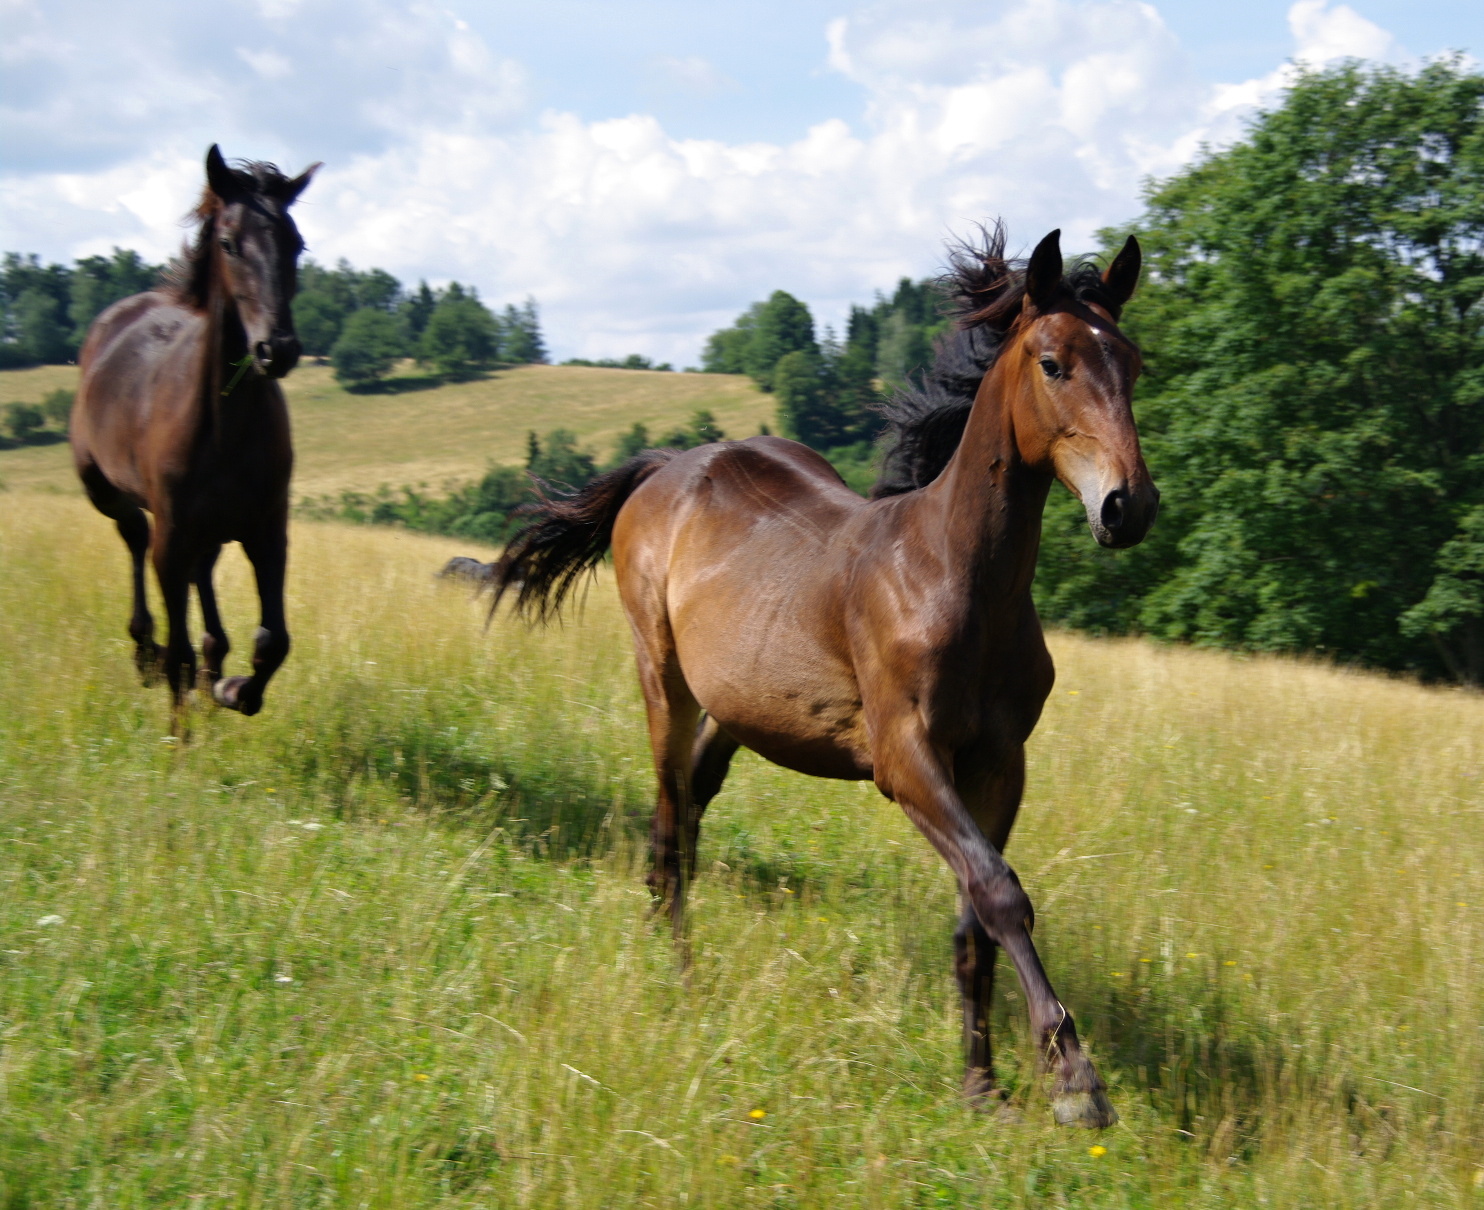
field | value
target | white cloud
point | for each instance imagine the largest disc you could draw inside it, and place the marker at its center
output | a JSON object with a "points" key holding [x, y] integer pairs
{"points": [[1325, 34], [692, 74], [267, 63], [1048, 112]]}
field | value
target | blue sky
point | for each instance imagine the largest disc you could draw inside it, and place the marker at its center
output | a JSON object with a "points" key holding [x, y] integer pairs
{"points": [[645, 170]]}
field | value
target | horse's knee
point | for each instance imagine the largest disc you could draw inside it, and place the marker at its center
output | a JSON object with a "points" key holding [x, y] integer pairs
{"points": [[1002, 905], [270, 647]]}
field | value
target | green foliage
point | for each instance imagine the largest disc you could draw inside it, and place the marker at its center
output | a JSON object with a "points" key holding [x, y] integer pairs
{"points": [[56, 406], [482, 511], [369, 346], [100, 281], [635, 441], [467, 338], [23, 420], [559, 461], [1312, 320], [826, 393], [783, 326], [327, 298], [634, 361], [1454, 605], [520, 337], [726, 350], [701, 430], [462, 337], [902, 351], [45, 311]]}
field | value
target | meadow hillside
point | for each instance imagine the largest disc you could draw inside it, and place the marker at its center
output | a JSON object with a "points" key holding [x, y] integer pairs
{"points": [[421, 431], [387, 944]]}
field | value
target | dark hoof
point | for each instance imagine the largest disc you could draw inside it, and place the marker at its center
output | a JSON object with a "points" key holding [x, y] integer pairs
{"points": [[1091, 1110], [147, 661], [983, 1097], [228, 692]]}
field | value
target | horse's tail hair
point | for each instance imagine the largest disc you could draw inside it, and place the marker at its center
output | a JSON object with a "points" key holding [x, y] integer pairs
{"points": [[568, 534]]}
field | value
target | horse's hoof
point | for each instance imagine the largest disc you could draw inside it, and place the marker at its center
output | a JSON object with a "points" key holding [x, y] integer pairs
{"points": [[147, 662], [994, 1103], [228, 692], [1091, 1110]]}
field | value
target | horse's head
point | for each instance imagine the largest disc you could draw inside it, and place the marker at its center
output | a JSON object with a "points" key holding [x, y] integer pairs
{"points": [[1076, 372], [256, 253]]}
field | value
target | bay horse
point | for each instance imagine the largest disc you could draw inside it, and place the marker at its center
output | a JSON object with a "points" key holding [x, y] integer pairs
{"points": [[893, 638], [179, 412]]}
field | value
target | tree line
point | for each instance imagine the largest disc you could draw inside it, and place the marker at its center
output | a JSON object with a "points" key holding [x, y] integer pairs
{"points": [[827, 390], [362, 321]]}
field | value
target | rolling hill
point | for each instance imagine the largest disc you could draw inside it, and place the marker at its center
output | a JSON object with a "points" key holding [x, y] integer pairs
{"points": [[422, 432]]}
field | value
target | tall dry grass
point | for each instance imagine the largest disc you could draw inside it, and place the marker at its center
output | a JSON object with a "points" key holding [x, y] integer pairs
{"points": [[387, 943]]}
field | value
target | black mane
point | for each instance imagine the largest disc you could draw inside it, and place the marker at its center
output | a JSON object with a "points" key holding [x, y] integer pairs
{"points": [[188, 276], [985, 291]]}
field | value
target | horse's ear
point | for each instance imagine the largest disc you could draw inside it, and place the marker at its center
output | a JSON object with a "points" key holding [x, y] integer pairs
{"points": [[223, 180], [1123, 274], [295, 187], [1043, 274]]}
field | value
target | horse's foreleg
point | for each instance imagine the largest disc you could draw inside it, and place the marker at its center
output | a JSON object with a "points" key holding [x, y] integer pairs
{"points": [[912, 773], [214, 644], [711, 757], [268, 554], [173, 570]]}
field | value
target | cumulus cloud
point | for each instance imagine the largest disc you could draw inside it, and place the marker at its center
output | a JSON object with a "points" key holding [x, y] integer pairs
{"points": [[1048, 112]]}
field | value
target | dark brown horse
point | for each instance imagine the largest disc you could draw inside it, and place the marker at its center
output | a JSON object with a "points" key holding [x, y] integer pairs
{"points": [[891, 639], [179, 412]]}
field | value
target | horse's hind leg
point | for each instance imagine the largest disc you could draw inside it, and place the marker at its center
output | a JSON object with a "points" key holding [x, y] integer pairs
{"points": [[993, 800], [711, 757], [214, 643], [133, 527], [173, 570], [673, 716]]}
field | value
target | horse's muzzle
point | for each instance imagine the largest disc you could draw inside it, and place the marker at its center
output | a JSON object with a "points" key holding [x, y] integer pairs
{"points": [[1125, 516], [277, 355]]}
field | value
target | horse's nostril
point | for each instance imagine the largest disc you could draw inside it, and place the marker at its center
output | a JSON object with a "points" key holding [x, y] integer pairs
{"points": [[265, 352], [1113, 509]]}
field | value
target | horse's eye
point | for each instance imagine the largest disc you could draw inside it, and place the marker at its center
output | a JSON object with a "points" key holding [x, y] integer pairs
{"points": [[1050, 368], [228, 244]]}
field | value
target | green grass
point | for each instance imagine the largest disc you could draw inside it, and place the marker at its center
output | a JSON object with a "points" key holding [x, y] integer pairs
{"points": [[425, 433], [387, 944]]}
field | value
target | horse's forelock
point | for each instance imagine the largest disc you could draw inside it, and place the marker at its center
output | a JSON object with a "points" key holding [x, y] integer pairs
{"points": [[188, 276]]}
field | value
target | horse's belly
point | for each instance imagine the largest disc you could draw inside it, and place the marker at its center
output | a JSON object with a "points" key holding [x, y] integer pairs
{"points": [[796, 709]]}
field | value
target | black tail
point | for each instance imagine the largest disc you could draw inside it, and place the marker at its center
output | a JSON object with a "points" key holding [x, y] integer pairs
{"points": [[569, 535]]}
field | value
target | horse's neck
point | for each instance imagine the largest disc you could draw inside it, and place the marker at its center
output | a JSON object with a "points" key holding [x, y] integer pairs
{"points": [[988, 501], [224, 345]]}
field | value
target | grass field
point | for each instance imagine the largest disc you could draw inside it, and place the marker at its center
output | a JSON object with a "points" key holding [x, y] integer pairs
{"points": [[387, 944], [432, 434]]}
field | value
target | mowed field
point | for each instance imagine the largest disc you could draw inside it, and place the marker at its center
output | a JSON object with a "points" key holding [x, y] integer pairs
{"points": [[387, 944], [431, 434]]}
